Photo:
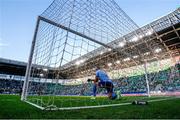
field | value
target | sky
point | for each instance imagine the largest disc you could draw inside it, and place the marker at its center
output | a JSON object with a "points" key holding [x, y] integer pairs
{"points": [[18, 19]]}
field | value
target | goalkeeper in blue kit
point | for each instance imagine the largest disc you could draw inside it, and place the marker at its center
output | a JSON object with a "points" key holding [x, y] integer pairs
{"points": [[102, 80]]}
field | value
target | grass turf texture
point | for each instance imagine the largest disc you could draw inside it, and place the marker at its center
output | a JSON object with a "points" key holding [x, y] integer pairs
{"points": [[80, 101], [12, 107]]}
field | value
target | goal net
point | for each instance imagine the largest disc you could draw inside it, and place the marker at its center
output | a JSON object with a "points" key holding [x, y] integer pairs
{"points": [[71, 38]]}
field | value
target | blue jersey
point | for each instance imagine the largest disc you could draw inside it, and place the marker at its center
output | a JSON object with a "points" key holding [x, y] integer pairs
{"points": [[103, 77]]}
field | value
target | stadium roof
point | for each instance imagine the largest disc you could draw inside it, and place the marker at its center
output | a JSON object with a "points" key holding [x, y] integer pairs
{"points": [[13, 67], [155, 41]]}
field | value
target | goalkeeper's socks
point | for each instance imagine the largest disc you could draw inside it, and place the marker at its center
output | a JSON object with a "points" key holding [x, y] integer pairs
{"points": [[118, 94], [114, 96], [93, 98], [94, 90]]}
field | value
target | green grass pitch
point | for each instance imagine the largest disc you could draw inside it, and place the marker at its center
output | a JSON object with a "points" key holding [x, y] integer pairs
{"points": [[12, 107]]}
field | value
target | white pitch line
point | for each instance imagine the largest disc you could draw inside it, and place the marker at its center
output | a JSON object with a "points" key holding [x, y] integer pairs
{"points": [[42, 108], [170, 98], [99, 106]]}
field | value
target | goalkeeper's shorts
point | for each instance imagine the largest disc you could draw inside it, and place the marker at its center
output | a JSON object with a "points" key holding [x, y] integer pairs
{"points": [[108, 85]]}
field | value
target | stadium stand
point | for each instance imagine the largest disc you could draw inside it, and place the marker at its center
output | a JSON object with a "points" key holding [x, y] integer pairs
{"points": [[12, 84]]}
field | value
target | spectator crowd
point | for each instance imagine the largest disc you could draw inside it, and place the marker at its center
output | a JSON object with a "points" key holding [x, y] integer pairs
{"points": [[166, 80]]}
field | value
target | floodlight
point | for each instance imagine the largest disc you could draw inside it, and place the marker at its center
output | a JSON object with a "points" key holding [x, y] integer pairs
{"points": [[122, 44], [126, 59], [146, 53], [45, 69], [101, 53], [140, 36], [135, 39], [109, 49], [158, 50], [135, 56], [78, 63], [82, 61], [41, 75], [150, 32], [117, 61], [109, 64]]}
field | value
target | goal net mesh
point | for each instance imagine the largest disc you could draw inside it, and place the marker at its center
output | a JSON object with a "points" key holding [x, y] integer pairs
{"points": [[75, 36]]}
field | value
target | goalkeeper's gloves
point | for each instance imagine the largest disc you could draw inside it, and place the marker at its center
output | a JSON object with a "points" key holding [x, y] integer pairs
{"points": [[89, 80]]}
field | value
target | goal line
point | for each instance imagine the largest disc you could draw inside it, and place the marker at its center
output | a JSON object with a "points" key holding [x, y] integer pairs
{"points": [[99, 106]]}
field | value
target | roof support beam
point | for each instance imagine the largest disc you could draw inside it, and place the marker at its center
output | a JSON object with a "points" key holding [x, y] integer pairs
{"points": [[173, 27]]}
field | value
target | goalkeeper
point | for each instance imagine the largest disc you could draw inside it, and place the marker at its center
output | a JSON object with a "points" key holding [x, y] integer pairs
{"points": [[102, 80]]}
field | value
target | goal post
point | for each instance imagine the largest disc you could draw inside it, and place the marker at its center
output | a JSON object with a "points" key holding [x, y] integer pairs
{"points": [[28, 69]]}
